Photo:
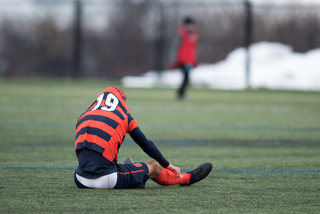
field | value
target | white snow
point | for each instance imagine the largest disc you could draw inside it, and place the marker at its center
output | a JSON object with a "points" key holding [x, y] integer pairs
{"points": [[273, 66]]}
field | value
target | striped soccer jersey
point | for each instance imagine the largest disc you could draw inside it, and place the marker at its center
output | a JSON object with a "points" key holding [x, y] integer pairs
{"points": [[104, 125]]}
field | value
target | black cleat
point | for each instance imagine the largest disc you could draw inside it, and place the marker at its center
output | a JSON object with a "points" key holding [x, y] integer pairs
{"points": [[200, 172], [127, 160]]}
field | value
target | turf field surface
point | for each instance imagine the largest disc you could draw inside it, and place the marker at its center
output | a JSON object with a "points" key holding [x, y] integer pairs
{"points": [[264, 146]]}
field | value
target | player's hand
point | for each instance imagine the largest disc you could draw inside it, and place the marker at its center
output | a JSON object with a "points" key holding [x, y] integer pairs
{"points": [[174, 169], [174, 65]]}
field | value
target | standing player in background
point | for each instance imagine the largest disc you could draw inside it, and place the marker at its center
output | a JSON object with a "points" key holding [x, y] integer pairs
{"points": [[100, 132], [184, 53]]}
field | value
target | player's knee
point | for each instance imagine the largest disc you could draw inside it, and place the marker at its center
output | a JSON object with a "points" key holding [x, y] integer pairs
{"points": [[154, 168], [156, 165]]}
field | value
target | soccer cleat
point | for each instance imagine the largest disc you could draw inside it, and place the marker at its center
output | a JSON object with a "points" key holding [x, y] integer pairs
{"points": [[127, 160], [200, 172]]}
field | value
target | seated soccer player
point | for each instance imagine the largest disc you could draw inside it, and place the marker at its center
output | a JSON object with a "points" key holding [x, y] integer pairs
{"points": [[100, 131]]}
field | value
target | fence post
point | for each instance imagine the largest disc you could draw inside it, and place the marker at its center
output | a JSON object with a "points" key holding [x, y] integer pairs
{"points": [[248, 38], [77, 37], [159, 43]]}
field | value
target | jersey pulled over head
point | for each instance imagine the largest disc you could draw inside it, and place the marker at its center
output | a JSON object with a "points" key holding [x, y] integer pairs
{"points": [[104, 125], [120, 92]]}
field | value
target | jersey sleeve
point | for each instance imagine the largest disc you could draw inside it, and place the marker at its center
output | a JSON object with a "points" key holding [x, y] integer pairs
{"points": [[148, 147], [132, 123]]}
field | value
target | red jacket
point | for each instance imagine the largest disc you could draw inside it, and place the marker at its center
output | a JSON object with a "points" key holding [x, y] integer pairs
{"points": [[187, 51]]}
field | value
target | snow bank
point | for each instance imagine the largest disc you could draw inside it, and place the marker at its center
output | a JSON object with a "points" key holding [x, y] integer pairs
{"points": [[273, 66]]}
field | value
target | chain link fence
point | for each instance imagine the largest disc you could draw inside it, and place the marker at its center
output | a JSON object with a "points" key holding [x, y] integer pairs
{"points": [[114, 38]]}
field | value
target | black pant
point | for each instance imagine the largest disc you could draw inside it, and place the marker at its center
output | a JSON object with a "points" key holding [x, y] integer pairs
{"points": [[186, 70]]}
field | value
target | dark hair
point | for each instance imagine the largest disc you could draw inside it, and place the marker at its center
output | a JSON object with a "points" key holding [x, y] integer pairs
{"points": [[188, 20]]}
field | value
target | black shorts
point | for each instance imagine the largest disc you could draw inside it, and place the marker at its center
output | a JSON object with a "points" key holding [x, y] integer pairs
{"points": [[132, 176]]}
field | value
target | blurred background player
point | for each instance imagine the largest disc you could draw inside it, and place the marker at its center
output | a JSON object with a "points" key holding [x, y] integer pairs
{"points": [[100, 131], [184, 52]]}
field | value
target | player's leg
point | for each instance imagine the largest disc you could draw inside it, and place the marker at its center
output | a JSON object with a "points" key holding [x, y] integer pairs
{"points": [[135, 175], [165, 177], [131, 175], [154, 169], [182, 88], [186, 71]]}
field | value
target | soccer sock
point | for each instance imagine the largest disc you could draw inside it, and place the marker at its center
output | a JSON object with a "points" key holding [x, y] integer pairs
{"points": [[168, 178]]}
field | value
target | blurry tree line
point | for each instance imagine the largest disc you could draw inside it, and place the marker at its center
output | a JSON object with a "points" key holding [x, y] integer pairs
{"points": [[115, 38]]}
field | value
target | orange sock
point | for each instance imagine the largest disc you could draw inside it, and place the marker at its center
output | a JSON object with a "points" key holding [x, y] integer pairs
{"points": [[168, 178]]}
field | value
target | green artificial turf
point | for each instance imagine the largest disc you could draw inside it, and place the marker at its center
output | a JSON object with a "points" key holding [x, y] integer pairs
{"points": [[264, 146]]}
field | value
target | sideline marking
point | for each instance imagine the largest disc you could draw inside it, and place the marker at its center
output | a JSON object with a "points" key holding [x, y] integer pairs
{"points": [[237, 143], [169, 126], [182, 170]]}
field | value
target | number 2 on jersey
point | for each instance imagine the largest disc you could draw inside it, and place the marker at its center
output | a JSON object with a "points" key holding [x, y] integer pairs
{"points": [[111, 102]]}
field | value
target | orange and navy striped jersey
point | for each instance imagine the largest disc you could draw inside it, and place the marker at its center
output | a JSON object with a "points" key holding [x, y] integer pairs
{"points": [[104, 125]]}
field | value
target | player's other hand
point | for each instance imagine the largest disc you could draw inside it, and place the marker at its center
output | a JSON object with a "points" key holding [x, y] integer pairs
{"points": [[174, 169]]}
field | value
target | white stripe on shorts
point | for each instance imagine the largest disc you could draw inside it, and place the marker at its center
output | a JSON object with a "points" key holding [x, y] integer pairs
{"points": [[104, 182]]}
